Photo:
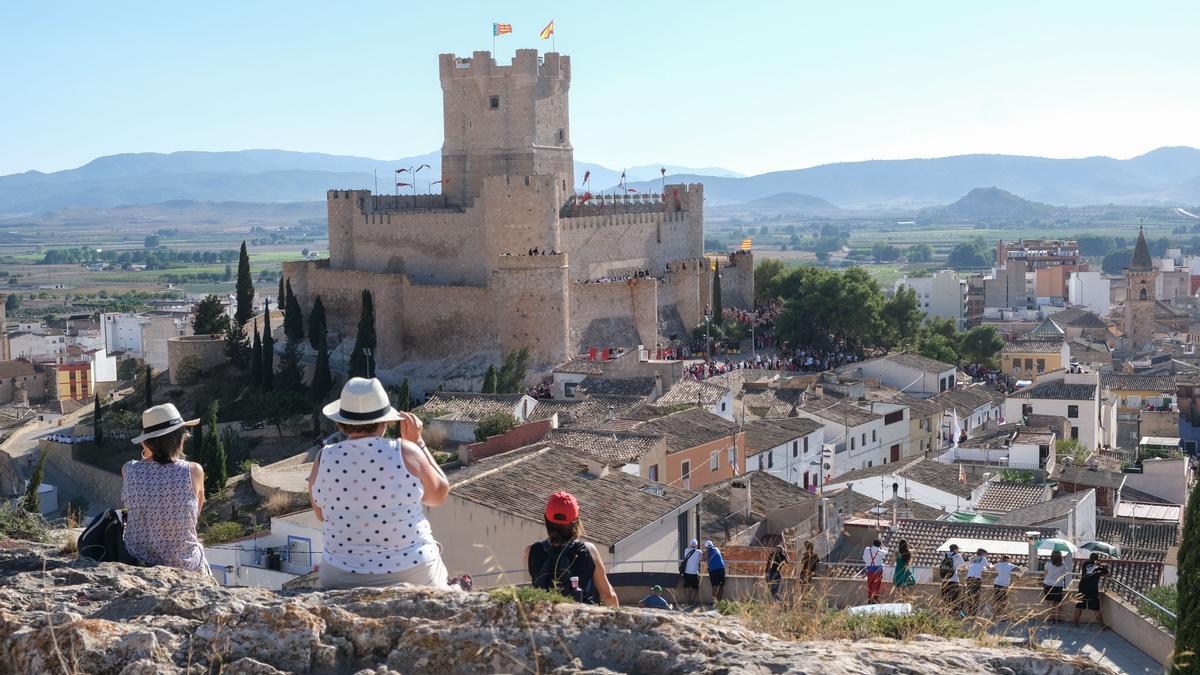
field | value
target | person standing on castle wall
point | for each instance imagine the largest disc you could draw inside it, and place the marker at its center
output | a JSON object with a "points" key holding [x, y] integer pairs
{"points": [[368, 492]]}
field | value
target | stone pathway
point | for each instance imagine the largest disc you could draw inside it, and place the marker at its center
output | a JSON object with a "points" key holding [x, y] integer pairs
{"points": [[1104, 647]]}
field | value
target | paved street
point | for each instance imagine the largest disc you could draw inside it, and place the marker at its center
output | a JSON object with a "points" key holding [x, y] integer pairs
{"points": [[1105, 647]]}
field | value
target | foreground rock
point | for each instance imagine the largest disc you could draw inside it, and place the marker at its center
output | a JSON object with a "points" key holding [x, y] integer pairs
{"points": [[77, 616]]}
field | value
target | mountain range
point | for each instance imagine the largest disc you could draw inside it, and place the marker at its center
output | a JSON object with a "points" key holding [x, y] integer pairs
{"points": [[1166, 176]]}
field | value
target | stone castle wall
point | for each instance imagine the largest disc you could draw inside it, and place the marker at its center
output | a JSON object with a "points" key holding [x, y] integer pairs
{"points": [[210, 349], [614, 314], [530, 295]]}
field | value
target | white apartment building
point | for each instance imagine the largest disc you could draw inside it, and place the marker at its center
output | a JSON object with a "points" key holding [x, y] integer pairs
{"points": [[1092, 290], [145, 335], [1075, 396], [788, 448], [942, 295], [855, 433]]}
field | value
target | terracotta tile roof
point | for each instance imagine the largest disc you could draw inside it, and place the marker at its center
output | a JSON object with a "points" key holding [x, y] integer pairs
{"points": [[16, 368], [1141, 575], [1033, 347], [614, 447], [911, 360], [773, 402], [765, 434], [1078, 317], [1042, 511], [838, 411], [692, 392], [688, 428], [925, 536], [519, 483], [921, 470], [1134, 382], [468, 406], [1058, 390], [63, 406], [581, 367], [906, 508], [767, 494], [1139, 540], [587, 413], [1003, 497], [633, 386], [965, 400], [1082, 475]]}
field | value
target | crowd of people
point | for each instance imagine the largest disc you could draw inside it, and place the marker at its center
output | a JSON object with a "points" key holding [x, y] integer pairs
{"points": [[615, 278]]}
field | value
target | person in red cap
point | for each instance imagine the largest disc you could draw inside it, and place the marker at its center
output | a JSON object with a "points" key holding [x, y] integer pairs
{"points": [[563, 563]]}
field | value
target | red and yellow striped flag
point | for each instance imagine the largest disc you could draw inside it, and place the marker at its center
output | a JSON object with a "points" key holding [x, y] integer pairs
{"points": [[548, 30], [501, 29], [746, 244]]}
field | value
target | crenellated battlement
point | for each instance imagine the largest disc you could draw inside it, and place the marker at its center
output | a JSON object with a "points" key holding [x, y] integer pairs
{"points": [[525, 62]]}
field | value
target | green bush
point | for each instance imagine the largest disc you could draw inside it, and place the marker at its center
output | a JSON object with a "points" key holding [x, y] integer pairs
{"points": [[219, 533], [17, 523], [527, 596], [1167, 596], [494, 424]]}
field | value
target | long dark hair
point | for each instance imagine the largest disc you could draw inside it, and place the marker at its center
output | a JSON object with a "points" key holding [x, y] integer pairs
{"points": [[168, 447], [559, 533], [902, 552]]}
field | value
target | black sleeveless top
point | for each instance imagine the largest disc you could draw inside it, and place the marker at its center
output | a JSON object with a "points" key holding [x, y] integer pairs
{"points": [[551, 568]]}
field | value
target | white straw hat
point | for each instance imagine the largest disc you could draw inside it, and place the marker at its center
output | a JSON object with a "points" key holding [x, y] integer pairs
{"points": [[363, 401], [161, 420]]}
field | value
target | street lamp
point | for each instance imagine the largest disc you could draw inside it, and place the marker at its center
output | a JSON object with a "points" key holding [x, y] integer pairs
{"points": [[707, 334], [367, 352]]}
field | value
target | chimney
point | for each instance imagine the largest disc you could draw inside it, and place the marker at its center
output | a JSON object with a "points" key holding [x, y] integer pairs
{"points": [[612, 412], [658, 386], [1032, 536], [739, 496], [596, 469], [895, 504]]}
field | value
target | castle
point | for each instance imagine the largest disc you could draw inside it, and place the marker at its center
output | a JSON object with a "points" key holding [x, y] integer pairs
{"points": [[509, 255]]}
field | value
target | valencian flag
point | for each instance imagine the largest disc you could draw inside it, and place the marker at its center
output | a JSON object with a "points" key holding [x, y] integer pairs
{"points": [[746, 244], [547, 31], [501, 29]]}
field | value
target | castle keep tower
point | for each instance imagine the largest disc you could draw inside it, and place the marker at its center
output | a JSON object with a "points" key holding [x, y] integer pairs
{"points": [[1140, 303], [504, 120]]}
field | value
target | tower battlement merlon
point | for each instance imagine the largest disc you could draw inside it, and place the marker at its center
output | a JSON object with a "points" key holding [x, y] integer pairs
{"points": [[525, 62]]}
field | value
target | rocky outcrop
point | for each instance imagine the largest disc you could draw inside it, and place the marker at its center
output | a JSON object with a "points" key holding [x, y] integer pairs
{"points": [[77, 616]]}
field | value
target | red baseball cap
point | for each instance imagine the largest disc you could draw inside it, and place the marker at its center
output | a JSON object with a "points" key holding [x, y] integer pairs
{"points": [[562, 508]]}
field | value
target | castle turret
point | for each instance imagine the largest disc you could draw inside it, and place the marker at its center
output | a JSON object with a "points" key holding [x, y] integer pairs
{"points": [[1140, 305], [504, 120]]}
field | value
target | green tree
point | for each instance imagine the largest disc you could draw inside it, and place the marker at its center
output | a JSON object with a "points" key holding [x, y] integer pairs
{"points": [[268, 350], [511, 377], [1095, 245], [884, 252], [245, 288], [938, 339], [128, 369], [404, 397], [12, 301], [322, 378], [901, 318], [768, 274], [494, 424], [151, 241], [920, 253], [1187, 631], [97, 420], [1116, 261], [316, 323], [149, 388], [32, 501], [489, 380], [235, 344], [980, 344], [210, 317], [718, 309], [362, 359], [970, 255], [216, 472], [256, 361], [291, 368], [293, 316]]}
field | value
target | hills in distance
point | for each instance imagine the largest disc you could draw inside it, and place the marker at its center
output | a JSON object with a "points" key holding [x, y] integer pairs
{"points": [[1166, 176]]}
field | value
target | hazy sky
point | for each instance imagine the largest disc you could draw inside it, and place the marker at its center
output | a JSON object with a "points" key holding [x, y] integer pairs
{"points": [[751, 86]]}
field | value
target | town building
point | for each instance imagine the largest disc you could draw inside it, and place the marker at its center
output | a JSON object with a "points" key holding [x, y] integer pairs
{"points": [[454, 415], [1041, 350], [926, 481], [702, 448], [906, 372], [855, 433], [509, 253], [1075, 396], [942, 295], [1092, 290], [787, 448]]}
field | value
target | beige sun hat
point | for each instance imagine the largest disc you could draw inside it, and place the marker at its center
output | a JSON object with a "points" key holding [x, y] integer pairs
{"points": [[161, 420], [363, 401]]}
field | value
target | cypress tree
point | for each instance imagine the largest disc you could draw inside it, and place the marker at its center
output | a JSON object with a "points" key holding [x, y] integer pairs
{"points": [[268, 350], [489, 380], [245, 289], [256, 361], [322, 379], [97, 421], [717, 309], [404, 397], [1187, 626], [281, 297], [316, 323], [149, 389], [362, 359], [291, 368], [216, 474], [33, 501], [236, 348], [293, 316]]}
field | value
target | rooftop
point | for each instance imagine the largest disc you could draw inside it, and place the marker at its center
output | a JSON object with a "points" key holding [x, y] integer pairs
{"points": [[911, 360], [632, 386], [689, 428], [926, 536], [929, 472], [613, 447], [767, 494], [1025, 346], [1003, 497], [1042, 512], [587, 413], [839, 411], [1139, 540], [1134, 382], [905, 508], [773, 402], [581, 367], [965, 400], [1057, 390], [1079, 317], [469, 406], [613, 507], [692, 392], [765, 434], [1047, 330], [1082, 475], [16, 368]]}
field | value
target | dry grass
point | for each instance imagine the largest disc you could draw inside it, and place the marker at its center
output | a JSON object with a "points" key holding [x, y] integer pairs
{"points": [[278, 503]]}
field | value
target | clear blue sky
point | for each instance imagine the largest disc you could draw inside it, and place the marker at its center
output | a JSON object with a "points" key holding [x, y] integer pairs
{"points": [[751, 86]]}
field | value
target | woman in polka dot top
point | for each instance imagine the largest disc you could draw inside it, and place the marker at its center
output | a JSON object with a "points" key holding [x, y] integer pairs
{"points": [[369, 491]]}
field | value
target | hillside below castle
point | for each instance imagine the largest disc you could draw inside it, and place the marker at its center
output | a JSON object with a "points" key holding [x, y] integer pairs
{"points": [[77, 616]]}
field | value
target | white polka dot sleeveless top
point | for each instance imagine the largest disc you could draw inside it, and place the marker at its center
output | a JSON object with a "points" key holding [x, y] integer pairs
{"points": [[374, 522]]}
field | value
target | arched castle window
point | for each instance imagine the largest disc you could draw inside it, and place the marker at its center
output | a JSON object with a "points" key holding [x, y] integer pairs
{"points": [[1142, 294]]}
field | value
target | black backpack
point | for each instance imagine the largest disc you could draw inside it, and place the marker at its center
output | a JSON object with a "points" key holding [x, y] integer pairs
{"points": [[103, 540], [946, 569], [551, 569]]}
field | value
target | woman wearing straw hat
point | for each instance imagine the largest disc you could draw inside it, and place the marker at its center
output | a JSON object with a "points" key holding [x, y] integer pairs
{"points": [[164, 494], [369, 490]]}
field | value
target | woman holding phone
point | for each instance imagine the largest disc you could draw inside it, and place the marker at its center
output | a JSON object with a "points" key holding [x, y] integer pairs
{"points": [[369, 492]]}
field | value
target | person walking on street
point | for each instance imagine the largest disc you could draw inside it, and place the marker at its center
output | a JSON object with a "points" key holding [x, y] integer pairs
{"points": [[948, 570], [775, 563], [689, 570], [1053, 584], [1004, 574], [975, 581], [873, 556], [1089, 588], [902, 576], [714, 562]]}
